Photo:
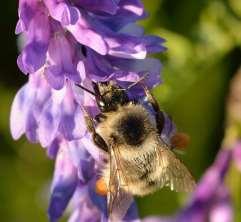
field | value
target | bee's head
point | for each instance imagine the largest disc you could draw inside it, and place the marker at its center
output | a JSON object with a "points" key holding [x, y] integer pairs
{"points": [[109, 95]]}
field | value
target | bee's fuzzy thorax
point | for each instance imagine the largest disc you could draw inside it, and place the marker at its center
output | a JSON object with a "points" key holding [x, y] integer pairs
{"points": [[129, 125], [132, 129]]}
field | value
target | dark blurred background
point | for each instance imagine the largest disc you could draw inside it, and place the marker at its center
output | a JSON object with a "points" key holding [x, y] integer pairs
{"points": [[204, 51]]}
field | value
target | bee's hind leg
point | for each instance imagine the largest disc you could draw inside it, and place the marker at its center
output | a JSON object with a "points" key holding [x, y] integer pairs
{"points": [[97, 139], [159, 116]]}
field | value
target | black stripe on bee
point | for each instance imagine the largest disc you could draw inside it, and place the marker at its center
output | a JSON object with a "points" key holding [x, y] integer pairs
{"points": [[145, 160], [139, 163], [152, 183], [145, 165], [148, 158], [145, 174]]}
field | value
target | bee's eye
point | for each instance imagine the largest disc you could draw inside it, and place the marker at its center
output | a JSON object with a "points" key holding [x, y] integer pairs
{"points": [[102, 104]]}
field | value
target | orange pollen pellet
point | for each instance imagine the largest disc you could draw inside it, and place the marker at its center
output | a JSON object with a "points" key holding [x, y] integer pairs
{"points": [[180, 140], [101, 187]]}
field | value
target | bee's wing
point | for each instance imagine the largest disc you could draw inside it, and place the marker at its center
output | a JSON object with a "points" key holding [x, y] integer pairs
{"points": [[118, 201], [174, 173]]}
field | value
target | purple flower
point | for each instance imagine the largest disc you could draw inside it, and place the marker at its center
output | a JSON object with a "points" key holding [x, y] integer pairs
{"points": [[35, 24], [69, 42], [87, 24], [210, 193], [46, 113]]}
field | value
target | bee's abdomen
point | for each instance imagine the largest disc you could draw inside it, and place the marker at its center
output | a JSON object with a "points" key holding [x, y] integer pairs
{"points": [[142, 178], [141, 187]]}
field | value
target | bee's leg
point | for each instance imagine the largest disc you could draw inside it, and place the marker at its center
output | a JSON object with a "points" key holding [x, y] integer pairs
{"points": [[97, 139], [160, 119], [179, 139], [100, 117]]}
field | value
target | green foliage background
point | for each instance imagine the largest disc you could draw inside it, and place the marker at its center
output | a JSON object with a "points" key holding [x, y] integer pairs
{"points": [[204, 51]]}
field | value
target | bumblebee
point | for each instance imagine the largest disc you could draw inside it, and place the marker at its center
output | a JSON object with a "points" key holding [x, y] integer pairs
{"points": [[139, 162]]}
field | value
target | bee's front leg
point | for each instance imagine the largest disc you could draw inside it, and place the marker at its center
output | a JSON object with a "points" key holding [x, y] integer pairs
{"points": [[97, 139], [100, 117], [159, 116]]}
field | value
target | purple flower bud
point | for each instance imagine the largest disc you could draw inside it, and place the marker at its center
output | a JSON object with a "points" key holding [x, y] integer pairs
{"points": [[210, 192], [237, 155]]}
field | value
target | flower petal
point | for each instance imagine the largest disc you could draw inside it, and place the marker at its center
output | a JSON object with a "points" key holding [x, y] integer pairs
{"points": [[27, 10], [54, 76], [221, 210], [129, 11], [214, 176], [237, 155], [62, 12], [31, 127], [150, 66], [72, 123], [53, 148], [154, 44], [124, 46], [96, 6], [64, 183], [33, 55], [85, 213], [86, 35], [82, 160], [20, 105], [49, 123], [50, 117], [85, 210]]}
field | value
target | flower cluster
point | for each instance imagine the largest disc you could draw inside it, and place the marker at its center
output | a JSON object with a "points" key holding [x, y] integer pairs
{"points": [[69, 42]]}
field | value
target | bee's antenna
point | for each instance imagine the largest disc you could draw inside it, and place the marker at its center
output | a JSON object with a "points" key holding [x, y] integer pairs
{"points": [[85, 89], [138, 81]]}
